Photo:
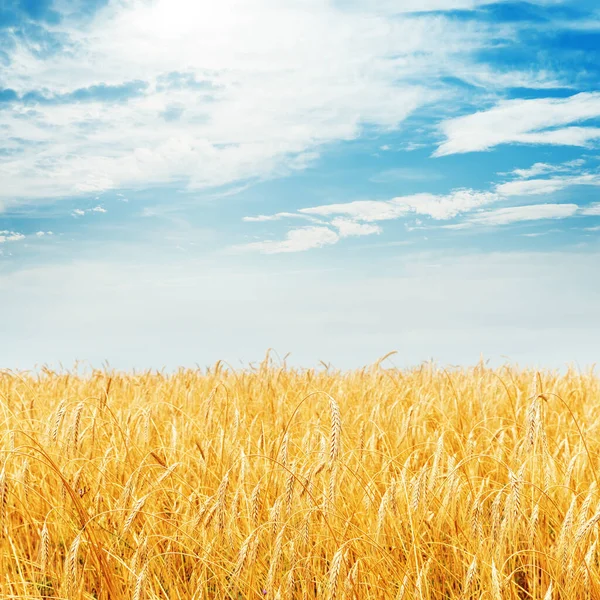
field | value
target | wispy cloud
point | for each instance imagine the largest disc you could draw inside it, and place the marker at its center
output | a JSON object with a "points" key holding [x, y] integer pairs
{"points": [[80, 212], [406, 6], [527, 187], [536, 234], [277, 217], [531, 212], [435, 206], [592, 210], [350, 228], [10, 236], [363, 210], [545, 168], [297, 240], [534, 171], [307, 238], [532, 121]]}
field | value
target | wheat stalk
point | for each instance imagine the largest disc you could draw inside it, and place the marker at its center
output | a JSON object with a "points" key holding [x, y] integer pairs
{"points": [[137, 507], [274, 564], [336, 431], [44, 548], [138, 592], [256, 503], [469, 578], [71, 566], [220, 506], [76, 424], [3, 498], [334, 573], [60, 412], [351, 583]]}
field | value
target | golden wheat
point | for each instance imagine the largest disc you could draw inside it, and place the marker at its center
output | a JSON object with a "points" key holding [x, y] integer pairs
{"points": [[300, 484]]}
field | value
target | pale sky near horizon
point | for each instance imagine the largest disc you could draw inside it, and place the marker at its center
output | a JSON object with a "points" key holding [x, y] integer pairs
{"points": [[186, 181]]}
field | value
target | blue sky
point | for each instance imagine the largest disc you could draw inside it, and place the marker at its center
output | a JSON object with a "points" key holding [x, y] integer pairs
{"points": [[182, 182]]}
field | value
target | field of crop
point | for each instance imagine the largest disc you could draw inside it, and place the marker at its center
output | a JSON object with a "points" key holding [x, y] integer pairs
{"points": [[279, 483]]}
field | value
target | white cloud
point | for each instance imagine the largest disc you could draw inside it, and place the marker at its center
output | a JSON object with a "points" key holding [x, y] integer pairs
{"points": [[535, 121], [363, 210], [532, 212], [435, 206], [534, 170], [485, 77], [527, 187], [541, 233], [568, 136], [393, 7], [544, 168], [457, 226], [592, 210], [450, 205], [79, 212], [10, 236], [297, 240], [276, 217], [349, 228]]}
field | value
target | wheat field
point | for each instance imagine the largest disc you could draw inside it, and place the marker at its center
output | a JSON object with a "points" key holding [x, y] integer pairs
{"points": [[273, 482]]}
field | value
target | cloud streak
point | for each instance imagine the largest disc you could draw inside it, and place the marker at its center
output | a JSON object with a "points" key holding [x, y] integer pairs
{"points": [[308, 238], [297, 240], [440, 207], [535, 121], [592, 210], [531, 212], [529, 187]]}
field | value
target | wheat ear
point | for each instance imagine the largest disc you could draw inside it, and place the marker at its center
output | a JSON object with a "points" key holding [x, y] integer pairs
{"points": [[336, 431], [334, 574]]}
